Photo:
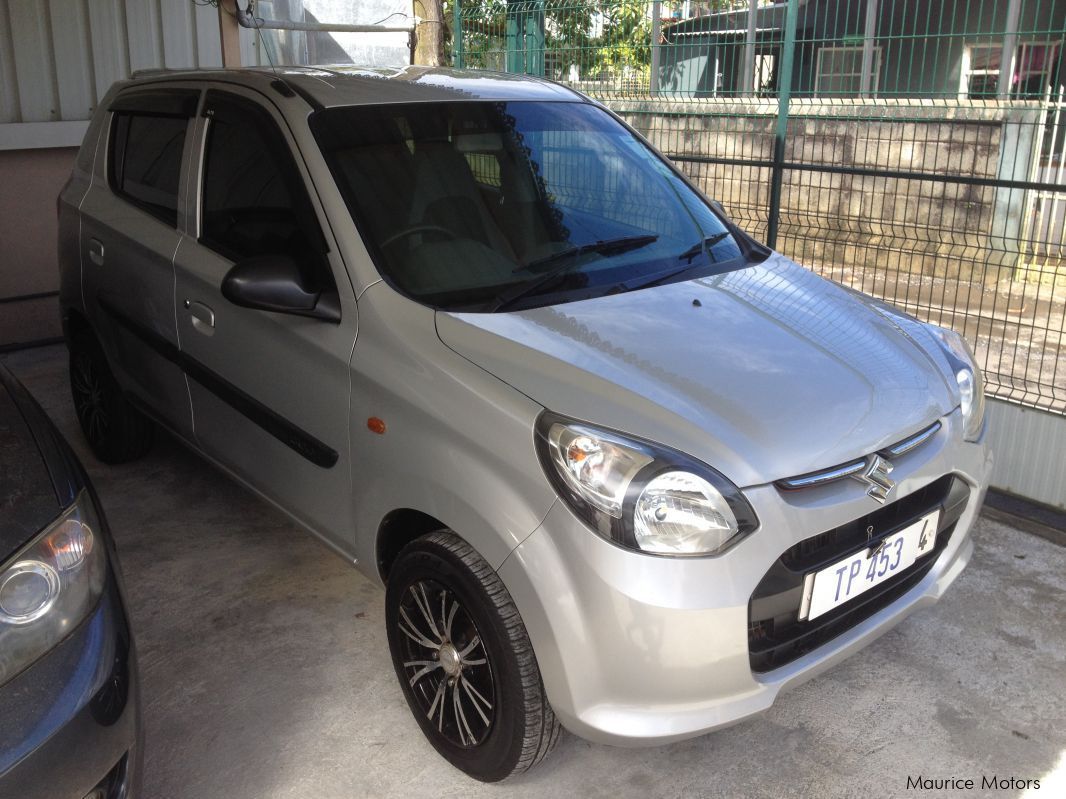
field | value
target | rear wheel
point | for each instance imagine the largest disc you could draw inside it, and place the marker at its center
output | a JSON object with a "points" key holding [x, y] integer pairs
{"points": [[464, 660], [116, 431]]}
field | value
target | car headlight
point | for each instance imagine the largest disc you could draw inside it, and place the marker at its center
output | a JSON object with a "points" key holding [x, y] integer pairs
{"points": [[641, 495], [49, 586], [968, 376]]}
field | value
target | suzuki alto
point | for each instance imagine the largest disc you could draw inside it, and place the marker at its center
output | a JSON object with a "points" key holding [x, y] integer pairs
{"points": [[619, 466]]}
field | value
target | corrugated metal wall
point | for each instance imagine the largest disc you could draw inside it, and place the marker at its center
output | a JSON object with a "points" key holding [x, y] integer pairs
{"points": [[58, 57], [1030, 452]]}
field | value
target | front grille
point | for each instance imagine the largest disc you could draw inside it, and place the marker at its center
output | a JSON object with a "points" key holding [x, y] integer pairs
{"points": [[852, 468], [776, 636]]}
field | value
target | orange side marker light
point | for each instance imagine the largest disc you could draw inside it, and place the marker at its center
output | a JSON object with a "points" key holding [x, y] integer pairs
{"points": [[376, 425]]}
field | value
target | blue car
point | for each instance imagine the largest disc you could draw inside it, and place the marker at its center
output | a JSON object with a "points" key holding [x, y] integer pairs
{"points": [[70, 722]]}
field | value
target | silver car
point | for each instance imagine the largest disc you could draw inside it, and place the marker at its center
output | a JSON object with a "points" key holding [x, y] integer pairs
{"points": [[620, 467]]}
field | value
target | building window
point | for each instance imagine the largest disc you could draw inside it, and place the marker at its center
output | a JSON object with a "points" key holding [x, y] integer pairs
{"points": [[765, 74], [839, 72], [1033, 71], [1036, 70], [980, 71]]}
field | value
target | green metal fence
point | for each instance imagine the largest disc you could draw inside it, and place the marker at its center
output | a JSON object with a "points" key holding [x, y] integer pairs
{"points": [[913, 149]]}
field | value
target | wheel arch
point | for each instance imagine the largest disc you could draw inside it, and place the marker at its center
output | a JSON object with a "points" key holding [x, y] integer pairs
{"points": [[397, 529], [75, 323]]}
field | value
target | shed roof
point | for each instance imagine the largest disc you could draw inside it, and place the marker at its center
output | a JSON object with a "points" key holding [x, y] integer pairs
{"points": [[732, 22]]}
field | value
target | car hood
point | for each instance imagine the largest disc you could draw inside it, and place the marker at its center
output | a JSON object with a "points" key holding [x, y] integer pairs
{"points": [[28, 498], [765, 372]]}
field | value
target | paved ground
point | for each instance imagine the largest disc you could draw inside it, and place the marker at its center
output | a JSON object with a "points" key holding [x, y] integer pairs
{"points": [[266, 674]]}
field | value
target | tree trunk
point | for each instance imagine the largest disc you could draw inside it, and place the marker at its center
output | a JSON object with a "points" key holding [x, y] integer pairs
{"points": [[429, 35]]}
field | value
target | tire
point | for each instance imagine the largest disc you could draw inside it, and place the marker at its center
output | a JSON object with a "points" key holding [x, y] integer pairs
{"points": [[116, 431], [511, 727]]}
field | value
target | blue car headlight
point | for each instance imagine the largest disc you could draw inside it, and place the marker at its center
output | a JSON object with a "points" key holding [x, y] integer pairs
{"points": [[50, 586]]}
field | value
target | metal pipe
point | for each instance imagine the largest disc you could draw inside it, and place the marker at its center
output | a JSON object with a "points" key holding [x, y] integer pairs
{"points": [[1006, 57], [784, 92], [457, 35], [747, 80], [892, 174], [247, 20], [870, 34], [656, 34]]}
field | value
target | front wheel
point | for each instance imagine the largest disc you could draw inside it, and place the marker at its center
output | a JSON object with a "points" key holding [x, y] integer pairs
{"points": [[464, 660], [116, 431]]}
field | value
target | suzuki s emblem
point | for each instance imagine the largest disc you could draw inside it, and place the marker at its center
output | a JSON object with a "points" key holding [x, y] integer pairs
{"points": [[876, 477]]}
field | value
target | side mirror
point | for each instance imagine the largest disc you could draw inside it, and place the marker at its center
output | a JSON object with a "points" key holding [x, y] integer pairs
{"points": [[276, 283]]}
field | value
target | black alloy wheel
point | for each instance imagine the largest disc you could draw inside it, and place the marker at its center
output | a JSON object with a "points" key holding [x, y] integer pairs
{"points": [[116, 431], [87, 391], [464, 660], [446, 663]]}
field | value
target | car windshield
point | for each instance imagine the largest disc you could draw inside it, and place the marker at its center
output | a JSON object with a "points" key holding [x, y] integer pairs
{"points": [[484, 206]]}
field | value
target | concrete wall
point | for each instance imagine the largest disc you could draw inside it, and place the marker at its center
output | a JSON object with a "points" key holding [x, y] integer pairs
{"points": [[936, 227], [31, 181]]}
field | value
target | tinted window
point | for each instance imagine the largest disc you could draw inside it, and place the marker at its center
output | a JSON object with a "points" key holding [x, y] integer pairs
{"points": [[462, 201], [254, 202], [146, 161]]}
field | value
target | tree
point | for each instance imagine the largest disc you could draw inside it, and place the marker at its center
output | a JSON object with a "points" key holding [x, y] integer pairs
{"points": [[429, 36], [602, 37]]}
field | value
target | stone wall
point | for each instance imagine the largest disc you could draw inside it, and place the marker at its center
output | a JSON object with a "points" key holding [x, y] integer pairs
{"points": [[901, 210]]}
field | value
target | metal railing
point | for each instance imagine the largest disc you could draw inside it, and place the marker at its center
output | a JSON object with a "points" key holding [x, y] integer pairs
{"points": [[913, 149]]}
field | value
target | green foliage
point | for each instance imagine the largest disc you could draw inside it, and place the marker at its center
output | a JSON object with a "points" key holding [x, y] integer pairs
{"points": [[626, 40], [484, 23], [604, 38]]}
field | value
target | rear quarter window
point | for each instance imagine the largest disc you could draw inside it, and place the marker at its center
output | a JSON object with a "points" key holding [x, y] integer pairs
{"points": [[145, 161]]}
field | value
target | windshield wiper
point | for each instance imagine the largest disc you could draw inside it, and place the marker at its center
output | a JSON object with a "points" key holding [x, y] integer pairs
{"points": [[663, 277], [603, 247], [702, 246], [623, 244]]}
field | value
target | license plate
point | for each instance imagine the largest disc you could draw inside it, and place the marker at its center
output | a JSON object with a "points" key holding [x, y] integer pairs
{"points": [[854, 575]]}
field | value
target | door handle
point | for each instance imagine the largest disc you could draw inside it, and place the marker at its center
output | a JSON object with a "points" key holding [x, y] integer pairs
{"points": [[203, 318], [96, 251]]}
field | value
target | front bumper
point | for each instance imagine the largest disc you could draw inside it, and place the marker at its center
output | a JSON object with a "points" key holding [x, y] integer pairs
{"points": [[637, 649], [71, 721]]}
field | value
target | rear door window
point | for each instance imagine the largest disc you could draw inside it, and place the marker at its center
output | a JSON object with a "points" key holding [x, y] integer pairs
{"points": [[147, 141], [147, 162]]}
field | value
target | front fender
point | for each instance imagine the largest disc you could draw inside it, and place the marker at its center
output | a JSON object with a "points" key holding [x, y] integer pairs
{"points": [[457, 442]]}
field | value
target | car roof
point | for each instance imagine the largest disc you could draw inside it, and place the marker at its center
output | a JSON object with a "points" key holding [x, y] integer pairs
{"points": [[347, 85]]}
